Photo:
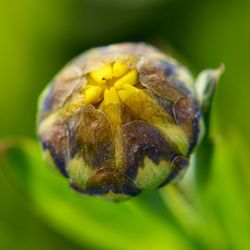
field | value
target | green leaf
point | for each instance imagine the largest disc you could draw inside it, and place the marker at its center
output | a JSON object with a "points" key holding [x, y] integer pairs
{"points": [[228, 195], [216, 215], [176, 217], [143, 221]]}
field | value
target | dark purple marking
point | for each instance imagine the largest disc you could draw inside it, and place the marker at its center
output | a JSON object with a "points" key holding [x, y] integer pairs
{"points": [[165, 104], [142, 139], [110, 180], [182, 87], [169, 68], [187, 115], [58, 159], [47, 102]]}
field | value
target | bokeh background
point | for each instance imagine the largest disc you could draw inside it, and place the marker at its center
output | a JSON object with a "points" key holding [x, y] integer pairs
{"points": [[38, 37]]}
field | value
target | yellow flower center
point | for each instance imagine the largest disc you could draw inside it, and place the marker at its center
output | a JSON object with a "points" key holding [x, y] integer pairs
{"points": [[113, 83]]}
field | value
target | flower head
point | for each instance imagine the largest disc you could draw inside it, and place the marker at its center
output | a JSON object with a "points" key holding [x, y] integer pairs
{"points": [[120, 119]]}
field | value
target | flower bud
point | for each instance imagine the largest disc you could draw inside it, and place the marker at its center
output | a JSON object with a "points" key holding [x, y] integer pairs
{"points": [[120, 119]]}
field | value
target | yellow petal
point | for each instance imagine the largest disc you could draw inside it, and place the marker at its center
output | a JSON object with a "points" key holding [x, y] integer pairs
{"points": [[111, 96], [129, 78], [89, 86], [103, 74], [127, 91], [124, 95], [119, 69], [131, 89], [92, 95]]}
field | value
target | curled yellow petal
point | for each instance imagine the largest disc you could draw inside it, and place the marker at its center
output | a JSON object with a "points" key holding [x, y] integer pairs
{"points": [[119, 69], [111, 96], [124, 95], [131, 89], [92, 95], [129, 78], [103, 74], [127, 91]]}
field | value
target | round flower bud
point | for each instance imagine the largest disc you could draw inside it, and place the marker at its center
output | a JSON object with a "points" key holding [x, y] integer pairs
{"points": [[120, 119]]}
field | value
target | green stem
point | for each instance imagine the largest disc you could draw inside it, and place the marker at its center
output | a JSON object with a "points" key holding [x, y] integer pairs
{"points": [[204, 156]]}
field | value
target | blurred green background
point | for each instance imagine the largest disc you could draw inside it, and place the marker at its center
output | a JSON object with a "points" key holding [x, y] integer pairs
{"points": [[38, 37]]}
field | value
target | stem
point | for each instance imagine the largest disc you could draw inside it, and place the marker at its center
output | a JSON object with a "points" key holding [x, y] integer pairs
{"points": [[204, 156]]}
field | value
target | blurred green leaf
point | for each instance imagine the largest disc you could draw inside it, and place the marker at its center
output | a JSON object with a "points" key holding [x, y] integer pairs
{"points": [[19, 227], [217, 215], [229, 191], [212, 218], [127, 225]]}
